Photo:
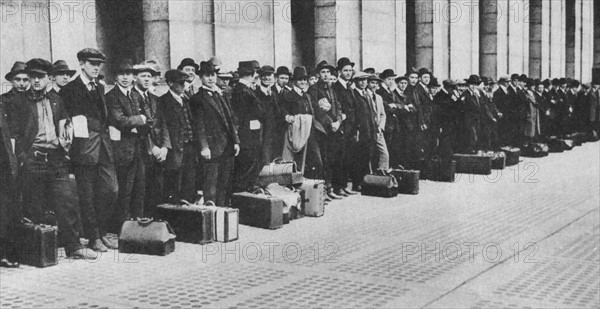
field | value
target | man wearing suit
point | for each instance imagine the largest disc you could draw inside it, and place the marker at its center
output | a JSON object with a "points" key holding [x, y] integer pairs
{"points": [[217, 136], [367, 129], [381, 158], [268, 97], [514, 111], [190, 67], [425, 109], [392, 104], [447, 118], [129, 125], [282, 84], [92, 153], [180, 165], [159, 141], [471, 105], [42, 146], [328, 119], [503, 102], [14, 98], [251, 117]]}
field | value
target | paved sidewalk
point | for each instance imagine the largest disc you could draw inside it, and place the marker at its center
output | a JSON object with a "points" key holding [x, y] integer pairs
{"points": [[527, 236]]}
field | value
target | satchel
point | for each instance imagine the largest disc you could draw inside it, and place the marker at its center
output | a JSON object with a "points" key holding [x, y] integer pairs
{"points": [[146, 236], [408, 180], [280, 172], [381, 184]]}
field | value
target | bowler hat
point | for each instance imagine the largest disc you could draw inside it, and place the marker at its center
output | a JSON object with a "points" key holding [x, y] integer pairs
{"points": [[369, 70], [283, 70], [188, 62], [266, 70], [207, 68], [555, 81], [324, 65], [473, 80], [503, 79], [39, 66], [546, 83], [434, 83], [575, 83], [523, 78], [515, 76], [423, 71], [17, 68], [175, 76], [410, 72], [342, 62], [529, 82], [361, 75], [387, 73], [91, 54], [300, 73], [60, 66], [448, 83], [125, 66], [400, 78], [247, 67]]}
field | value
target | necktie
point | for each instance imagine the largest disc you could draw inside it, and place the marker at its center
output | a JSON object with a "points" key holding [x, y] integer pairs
{"points": [[92, 86]]}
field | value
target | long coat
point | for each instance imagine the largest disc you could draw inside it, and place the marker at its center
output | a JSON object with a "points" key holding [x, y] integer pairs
{"points": [[532, 120], [159, 133], [323, 119]]}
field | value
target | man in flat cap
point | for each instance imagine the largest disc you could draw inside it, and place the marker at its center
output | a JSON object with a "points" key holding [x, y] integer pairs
{"points": [[251, 116], [61, 75], [42, 146], [92, 151]]}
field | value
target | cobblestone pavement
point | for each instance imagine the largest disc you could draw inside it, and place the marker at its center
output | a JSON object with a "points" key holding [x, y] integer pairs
{"points": [[527, 236]]}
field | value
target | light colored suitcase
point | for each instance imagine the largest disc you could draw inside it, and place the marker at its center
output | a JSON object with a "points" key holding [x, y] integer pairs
{"points": [[314, 203]]}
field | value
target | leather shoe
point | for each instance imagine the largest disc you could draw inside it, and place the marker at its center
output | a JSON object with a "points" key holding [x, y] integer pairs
{"points": [[83, 254], [110, 242], [97, 245], [333, 196], [9, 264], [340, 192], [356, 188], [348, 192]]}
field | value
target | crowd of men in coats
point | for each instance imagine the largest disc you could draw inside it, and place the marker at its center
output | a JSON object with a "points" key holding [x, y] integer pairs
{"points": [[131, 148]]}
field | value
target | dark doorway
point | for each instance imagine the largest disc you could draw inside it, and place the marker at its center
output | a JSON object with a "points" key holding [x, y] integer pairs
{"points": [[303, 33]]}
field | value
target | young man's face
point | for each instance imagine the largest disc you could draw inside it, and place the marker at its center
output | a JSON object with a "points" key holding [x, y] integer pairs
{"points": [[90, 68], [325, 75], [267, 80], [39, 81], [389, 82], [333, 79], [209, 80], [374, 85], [20, 82], [347, 72], [514, 83], [312, 80], [125, 79], [361, 83], [62, 79], [179, 87], [302, 84], [540, 88], [190, 71], [402, 85], [283, 80], [434, 90], [413, 79], [144, 80], [425, 79]]}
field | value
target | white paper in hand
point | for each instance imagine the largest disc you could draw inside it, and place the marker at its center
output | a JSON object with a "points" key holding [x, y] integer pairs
{"points": [[254, 125], [115, 134], [80, 127]]}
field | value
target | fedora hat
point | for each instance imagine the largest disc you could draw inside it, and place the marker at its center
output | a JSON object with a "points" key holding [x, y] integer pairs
{"points": [[434, 83], [283, 70], [60, 66], [17, 68], [247, 67], [387, 73], [473, 80], [39, 66], [207, 68], [125, 66], [324, 65], [344, 61], [423, 71], [300, 73], [91, 54], [188, 62], [175, 76]]}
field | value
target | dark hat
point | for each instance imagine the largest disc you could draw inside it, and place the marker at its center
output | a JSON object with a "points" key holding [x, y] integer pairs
{"points": [[537, 81], [491, 81], [387, 73], [596, 76], [529, 82], [434, 83], [515, 76], [256, 64], [175, 76], [485, 80], [410, 72], [247, 67], [369, 70], [207, 68], [283, 70], [555, 81], [374, 76], [39, 66], [423, 71], [342, 62], [17, 68], [503, 79], [324, 65], [188, 62], [448, 83], [563, 81], [575, 83], [91, 54], [125, 66], [473, 80], [399, 78], [266, 70], [523, 78], [300, 73], [60, 66], [546, 83]]}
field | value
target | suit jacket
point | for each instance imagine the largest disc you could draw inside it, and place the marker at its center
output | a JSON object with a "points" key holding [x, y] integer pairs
{"points": [[296, 104], [504, 104], [175, 120], [77, 100], [248, 111], [13, 101], [124, 114], [159, 133], [489, 111], [9, 160], [425, 101], [380, 116], [323, 119], [471, 107], [392, 123], [366, 118], [348, 105], [447, 112], [213, 122], [274, 119]]}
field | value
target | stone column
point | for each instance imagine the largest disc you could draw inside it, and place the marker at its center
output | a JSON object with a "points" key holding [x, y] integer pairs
{"points": [[535, 38], [192, 29], [400, 29], [325, 30], [464, 38], [545, 65], [584, 40], [570, 38], [441, 44], [282, 33], [488, 38], [596, 34], [557, 38], [156, 32], [379, 34], [424, 12], [518, 37]]}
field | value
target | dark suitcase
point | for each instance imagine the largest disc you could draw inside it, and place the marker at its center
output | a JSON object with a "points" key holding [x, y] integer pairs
{"points": [[380, 185], [439, 170], [578, 138], [535, 150], [513, 155], [146, 236], [498, 159], [473, 164], [259, 210], [557, 145], [408, 180], [37, 244], [192, 224]]}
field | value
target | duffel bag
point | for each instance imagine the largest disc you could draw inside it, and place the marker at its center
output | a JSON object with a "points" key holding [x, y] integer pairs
{"points": [[380, 184]]}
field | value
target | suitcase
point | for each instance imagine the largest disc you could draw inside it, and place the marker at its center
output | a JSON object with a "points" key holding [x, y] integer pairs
{"points": [[578, 138], [259, 210], [498, 159], [408, 180], [535, 150], [146, 236], [298, 213], [473, 164], [37, 244], [226, 222], [290, 197], [439, 170], [513, 155], [314, 199], [191, 223], [380, 185], [280, 172], [557, 145]]}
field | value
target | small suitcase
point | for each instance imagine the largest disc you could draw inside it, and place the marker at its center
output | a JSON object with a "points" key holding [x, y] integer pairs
{"points": [[535, 150], [380, 185], [314, 200], [280, 172], [37, 244], [191, 223], [440, 170], [259, 210], [291, 199], [498, 159], [408, 180], [146, 236], [473, 164], [226, 222], [513, 155]]}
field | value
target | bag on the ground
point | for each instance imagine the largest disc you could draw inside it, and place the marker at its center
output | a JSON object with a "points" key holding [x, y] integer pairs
{"points": [[146, 236], [259, 209], [535, 150], [408, 180], [225, 222], [291, 199], [37, 244], [478, 164], [380, 184], [280, 172], [513, 155], [314, 197], [437, 169], [191, 223], [557, 145]]}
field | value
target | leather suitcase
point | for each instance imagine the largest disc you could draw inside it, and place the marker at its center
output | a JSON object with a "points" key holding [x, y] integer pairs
{"points": [[535, 150], [146, 236], [380, 185], [408, 180], [259, 210], [314, 200], [37, 244], [226, 222], [291, 199], [473, 164], [280, 172], [440, 170], [191, 223], [513, 155]]}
